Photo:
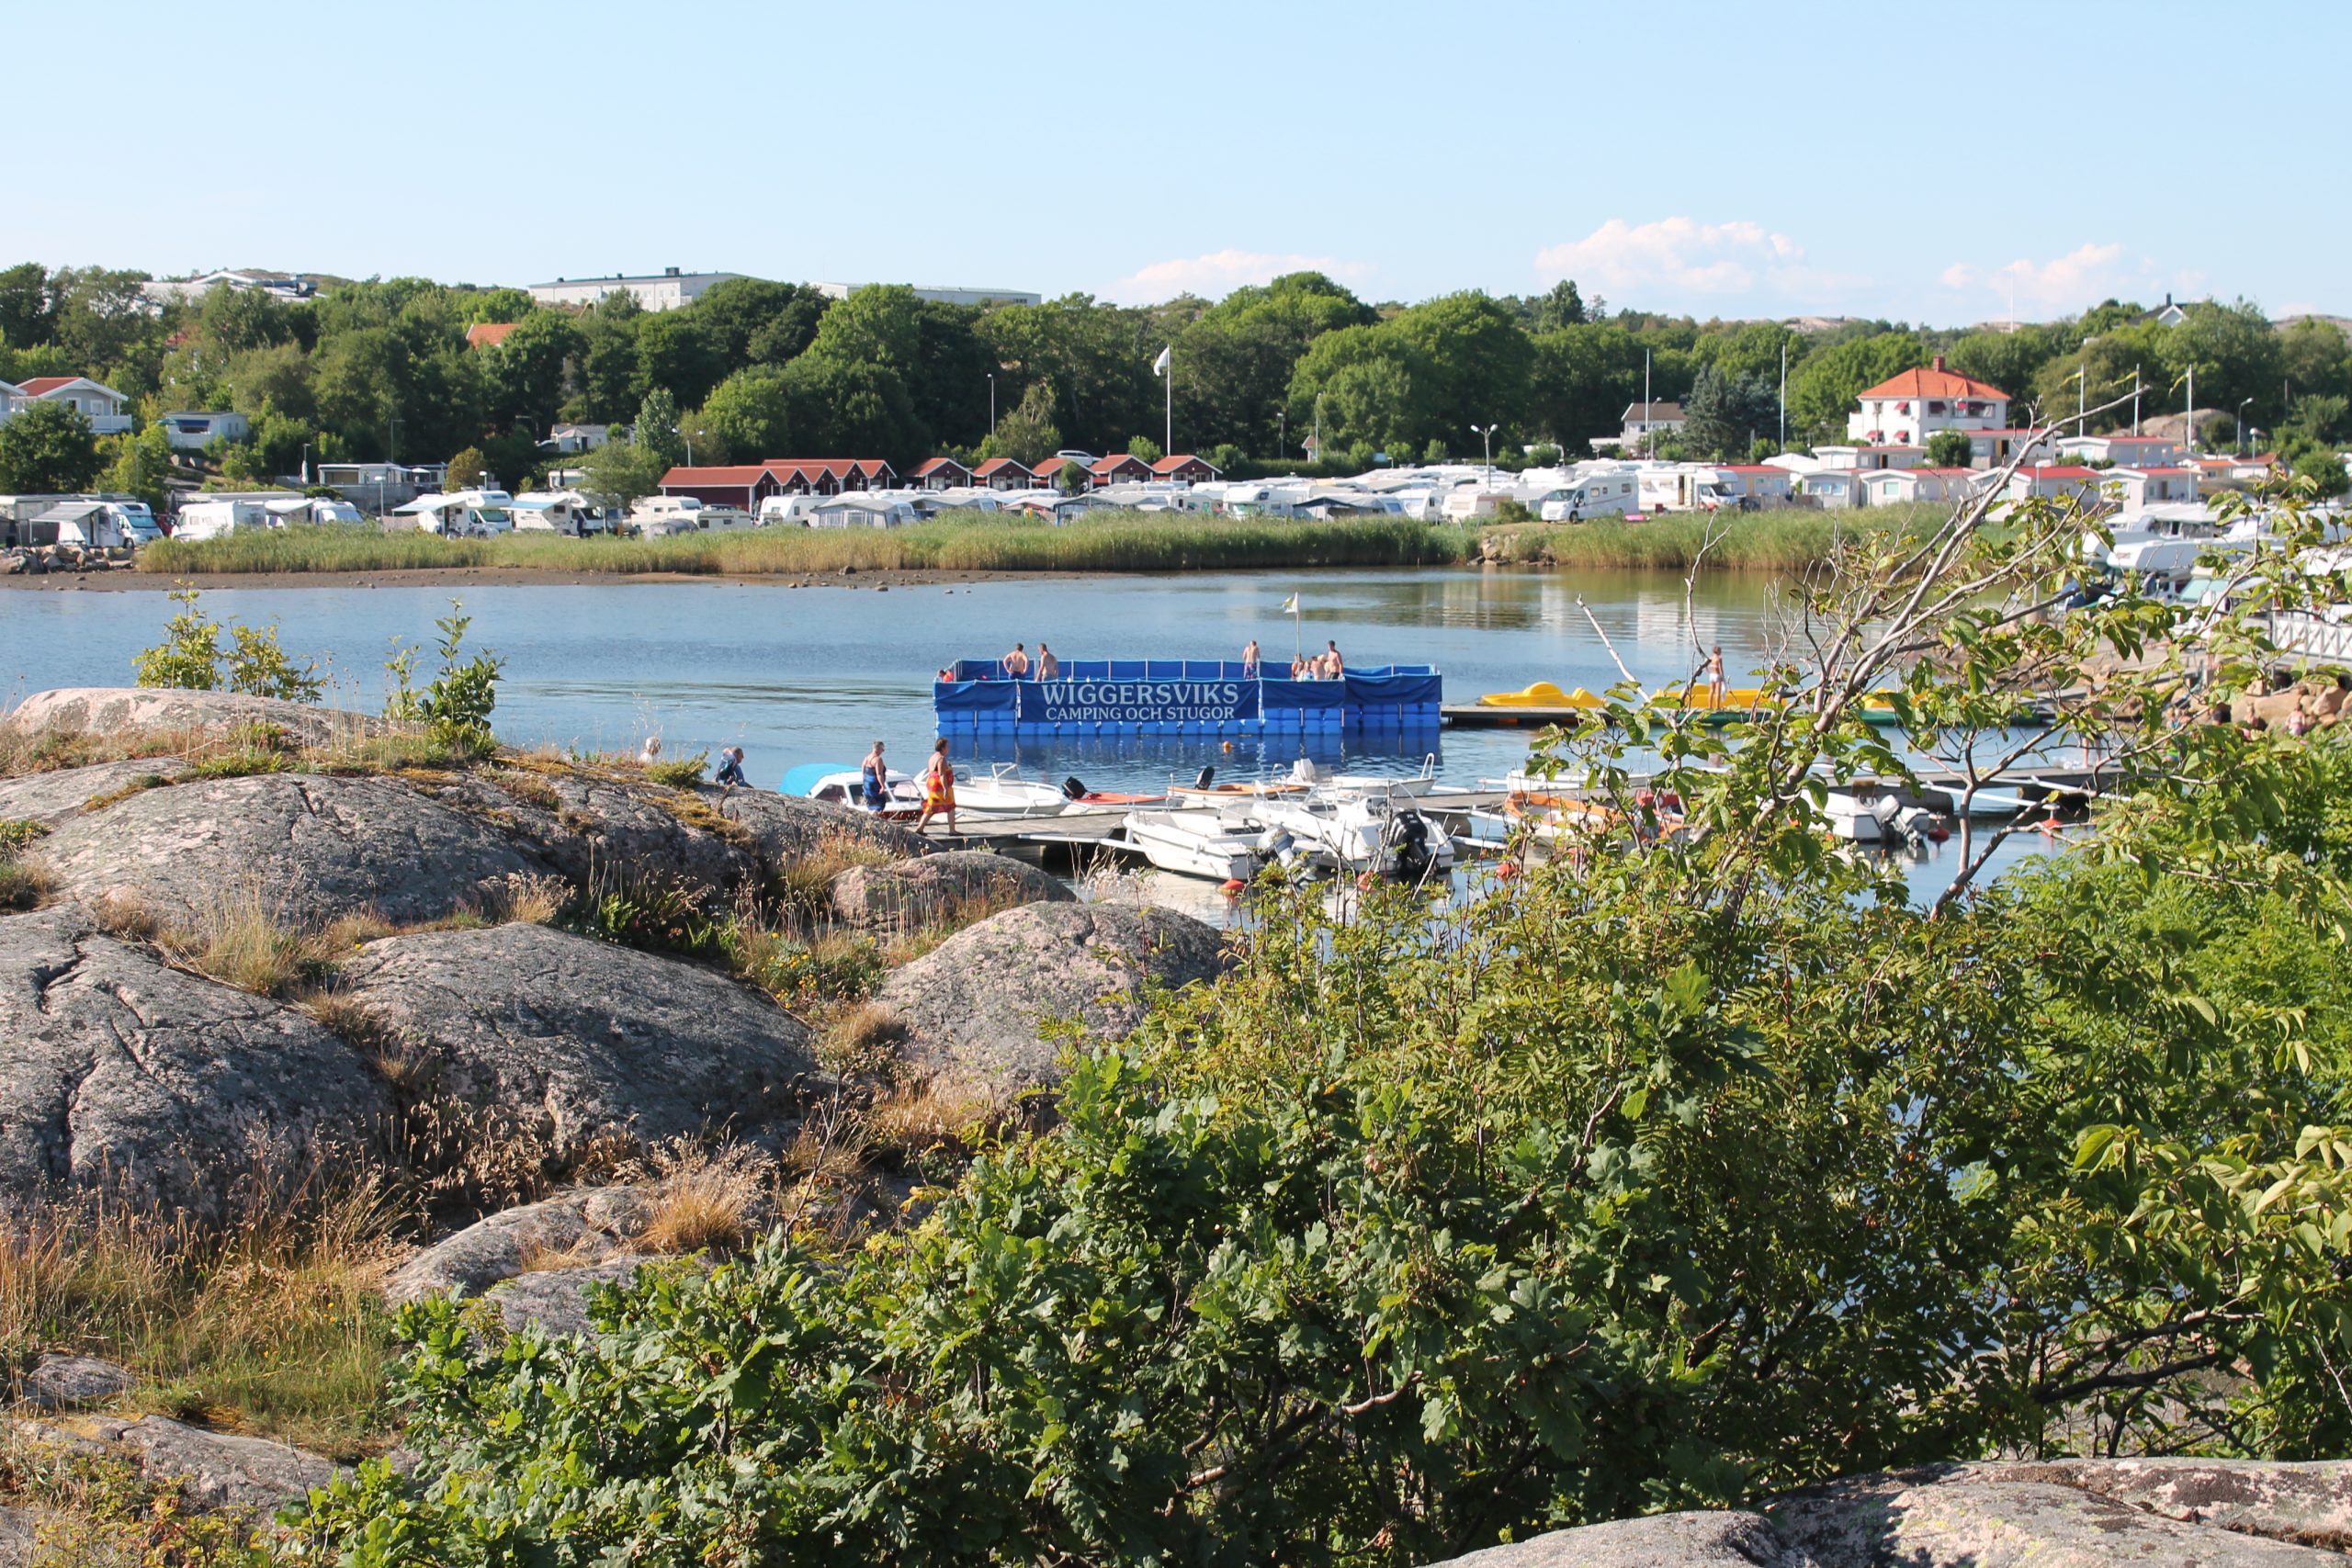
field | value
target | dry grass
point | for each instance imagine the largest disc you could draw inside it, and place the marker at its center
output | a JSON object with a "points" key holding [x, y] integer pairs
{"points": [[272, 1324], [705, 1199], [241, 936], [23, 884], [858, 1041], [529, 788], [805, 883], [528, 898], [919, 1120]]}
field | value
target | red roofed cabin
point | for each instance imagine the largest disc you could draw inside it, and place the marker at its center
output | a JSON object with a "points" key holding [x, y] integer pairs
{"points": [[1121, 469], [942, 473], [744, 485], [1185, 468], [1004, 473], [1906, 410], [828, 476], [488, 334]]}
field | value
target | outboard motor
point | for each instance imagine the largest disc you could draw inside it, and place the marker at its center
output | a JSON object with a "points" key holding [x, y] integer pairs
{"points": [[1208, 774], [1408, 837], [1073, 788]]}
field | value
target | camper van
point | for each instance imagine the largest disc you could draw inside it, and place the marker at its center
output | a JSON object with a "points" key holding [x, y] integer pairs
{"points": [[103, 524], [467, 515], [793, 510], [656, 516], [299, 510], [1684, 487], [559, 511], [218, 519]]}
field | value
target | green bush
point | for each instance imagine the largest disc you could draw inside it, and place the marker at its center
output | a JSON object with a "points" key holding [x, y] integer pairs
{"points": [[190, 657], [456, 704]]}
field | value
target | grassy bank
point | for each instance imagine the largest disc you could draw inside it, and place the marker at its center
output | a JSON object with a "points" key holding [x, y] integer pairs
{"points": [[1127, 542], [1771, 541]]}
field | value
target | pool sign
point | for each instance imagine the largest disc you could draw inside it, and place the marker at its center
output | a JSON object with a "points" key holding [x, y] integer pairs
{"points": [[1136, 702]]}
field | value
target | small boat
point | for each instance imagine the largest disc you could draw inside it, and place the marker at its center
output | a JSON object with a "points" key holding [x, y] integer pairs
{"points": [[839, 786], [1355, 832], [1542, 808], [1004, 793], [1201, 843], [1541, 694], [1864, 813]]}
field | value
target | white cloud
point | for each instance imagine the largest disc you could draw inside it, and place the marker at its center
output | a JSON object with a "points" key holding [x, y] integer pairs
{"points": [[1676, 256], [2081, 278], [1220, 272]]}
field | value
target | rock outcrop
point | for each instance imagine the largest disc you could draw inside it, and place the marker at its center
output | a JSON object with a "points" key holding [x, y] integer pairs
{"points": [[580, 1040], [307, 847], [911, 894], [2067, 1514], [555, 1300], [56, 1382], [971, 1010], [585, 1226], [159, 712], [121, 1074], [54, 797], [614, 831], [213, 1470], [783, 828]]}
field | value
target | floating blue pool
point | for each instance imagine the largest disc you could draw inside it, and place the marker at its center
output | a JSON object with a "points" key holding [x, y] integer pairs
{"points": [[1183, 696]]}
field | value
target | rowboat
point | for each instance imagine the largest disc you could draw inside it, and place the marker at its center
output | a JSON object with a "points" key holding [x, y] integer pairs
{"points": [[1004, 793], [1201, 843]]}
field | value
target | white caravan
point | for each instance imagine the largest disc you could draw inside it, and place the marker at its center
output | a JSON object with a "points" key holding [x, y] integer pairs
{"points": [[218, 519]]}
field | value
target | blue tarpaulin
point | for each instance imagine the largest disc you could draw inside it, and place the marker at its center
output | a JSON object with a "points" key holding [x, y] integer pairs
{"points": [[1180, 696]]}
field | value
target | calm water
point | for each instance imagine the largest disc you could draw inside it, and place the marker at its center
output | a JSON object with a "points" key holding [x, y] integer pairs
{"points": [[816, 674]]}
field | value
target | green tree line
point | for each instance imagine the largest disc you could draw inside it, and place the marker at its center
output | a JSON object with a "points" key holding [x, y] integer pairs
{"points": [[753, 369]]}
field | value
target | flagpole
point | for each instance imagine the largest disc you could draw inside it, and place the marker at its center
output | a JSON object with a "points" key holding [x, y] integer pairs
{"points": [[1169, 431]]}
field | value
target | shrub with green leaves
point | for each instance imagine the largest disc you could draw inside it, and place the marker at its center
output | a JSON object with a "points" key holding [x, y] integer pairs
{"points": [[456, 704], [190, 657]]}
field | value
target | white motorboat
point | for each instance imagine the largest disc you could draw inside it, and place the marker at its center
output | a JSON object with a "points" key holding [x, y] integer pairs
{"points": [[1354, 832], [838, 785], [1004, 793], [1202, 844], [1873, 813]]}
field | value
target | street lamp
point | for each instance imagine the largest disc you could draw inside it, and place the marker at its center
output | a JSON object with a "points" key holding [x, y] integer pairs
{"points": [[1486, 434], [306, 465], [1282, 433], [2240, 446], [992, 402]]}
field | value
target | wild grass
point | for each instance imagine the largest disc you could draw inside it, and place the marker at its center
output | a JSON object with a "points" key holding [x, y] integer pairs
{"points": [[273, 1323], [705, 1199], [1786, 539], [805, 883], [22, 883], [1107, 543]]}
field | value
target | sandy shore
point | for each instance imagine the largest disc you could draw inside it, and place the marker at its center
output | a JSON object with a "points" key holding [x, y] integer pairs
{"points": [[491, 576]]}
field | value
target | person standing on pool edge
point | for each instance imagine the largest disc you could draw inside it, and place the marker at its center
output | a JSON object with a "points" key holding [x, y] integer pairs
{"points": [[1716, 688], [1049, 667], [1249, 660], [938, 787]]}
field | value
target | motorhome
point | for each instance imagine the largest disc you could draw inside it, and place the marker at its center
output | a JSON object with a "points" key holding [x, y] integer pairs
{"points": [[793, 510], [656, 516], [218, 519], [300, 510], [1607, 493], [103, 524], [465, 514], [1684, 487], [559, 511]]}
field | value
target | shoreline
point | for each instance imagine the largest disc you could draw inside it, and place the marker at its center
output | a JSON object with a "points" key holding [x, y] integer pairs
{"points": [[125, 581]]}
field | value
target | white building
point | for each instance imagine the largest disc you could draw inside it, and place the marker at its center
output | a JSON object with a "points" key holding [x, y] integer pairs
{"points": [[566, 440], [192, 432], [2133, 490], [188, 290], [669, 291], [1905, 410], [942, 294], [1643, 423], [2123, 451], [102, 406]]}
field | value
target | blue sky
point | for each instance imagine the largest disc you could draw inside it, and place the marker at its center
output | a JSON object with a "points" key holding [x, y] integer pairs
{"points": [[1732, 159]]}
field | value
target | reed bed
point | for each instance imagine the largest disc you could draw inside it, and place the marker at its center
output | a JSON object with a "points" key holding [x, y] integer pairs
{"points": [[1122, 542], [1786, 539]]}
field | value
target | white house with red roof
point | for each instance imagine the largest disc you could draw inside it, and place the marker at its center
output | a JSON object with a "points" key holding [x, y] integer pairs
{"points": [[2133, 490], [1905, 410], [101, 405], [1881, 457], [2123, 451], [2056, 481], [1993, 448]]}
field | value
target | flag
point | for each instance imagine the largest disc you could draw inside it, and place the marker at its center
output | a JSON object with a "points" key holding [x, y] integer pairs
{"points": [[1160, 366], [1289, 605]]}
